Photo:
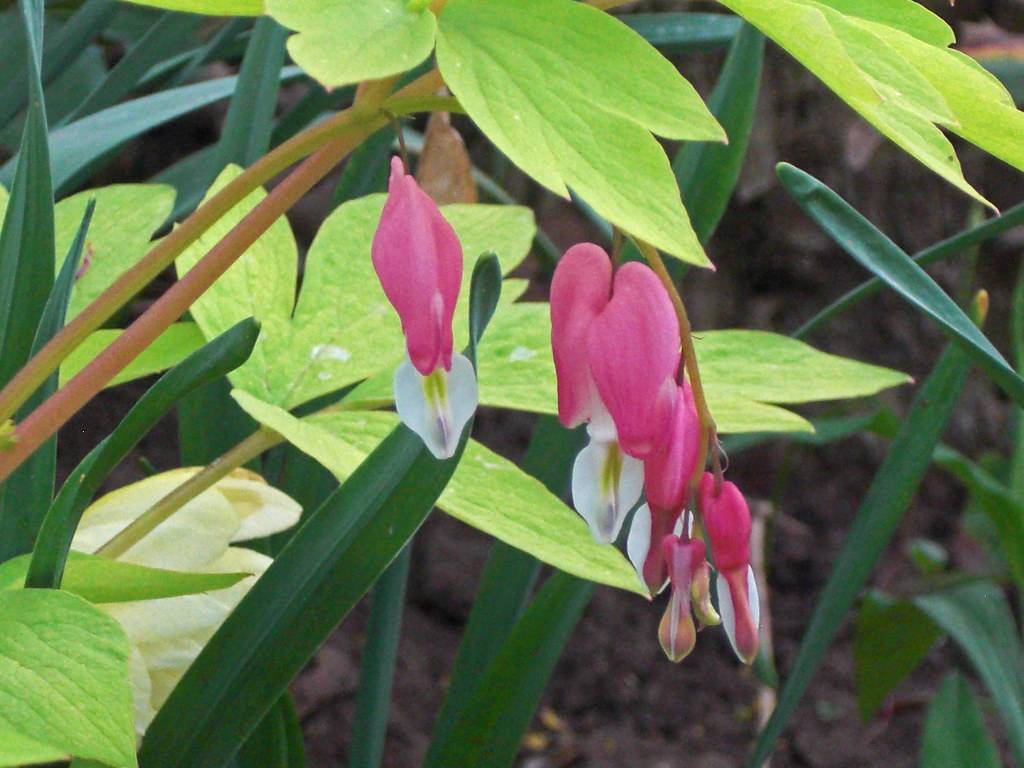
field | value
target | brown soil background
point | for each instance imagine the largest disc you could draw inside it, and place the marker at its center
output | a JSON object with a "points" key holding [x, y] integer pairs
{"points": [[614, 701]]}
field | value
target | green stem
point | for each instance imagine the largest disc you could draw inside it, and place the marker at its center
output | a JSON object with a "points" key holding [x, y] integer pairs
{"points": [[247, 450]]}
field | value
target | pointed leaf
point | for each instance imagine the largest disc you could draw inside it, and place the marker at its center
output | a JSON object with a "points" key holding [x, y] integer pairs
{"points": [[955, 735]]}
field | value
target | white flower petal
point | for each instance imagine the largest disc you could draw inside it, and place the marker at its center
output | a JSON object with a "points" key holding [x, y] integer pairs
{"points": [[142, 692], [754, 598], [606, 483], [262, 509], [728, 613], [638, 543], [437, 407]]}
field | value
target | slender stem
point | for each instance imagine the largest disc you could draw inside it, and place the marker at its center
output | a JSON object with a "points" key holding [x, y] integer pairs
{"points": [[262, 440], [708, 430], [49, 358]]}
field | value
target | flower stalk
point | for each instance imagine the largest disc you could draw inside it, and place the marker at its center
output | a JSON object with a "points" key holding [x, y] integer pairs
{"points": [[708, 430]]}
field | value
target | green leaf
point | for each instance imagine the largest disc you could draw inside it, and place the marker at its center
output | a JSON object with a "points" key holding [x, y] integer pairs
{"points": [[318, 577], [487, 491], [879, 514], [209, 7], [743, 372], [214, 360], [492, 723], [507, 579], [979, 619], [998, 502], [18, 750], [877, 253], [891, 638], [906, 15], [950, 247], [864, 63], [340, 42], [75, 148], [276, 742], [342, 329], [29, 490], [567, 110], [121, 232], [71, 663], [27, 240], [100, 580], [170, 348], [955, 734], [377, 668], [676, 33], [707, 173]]}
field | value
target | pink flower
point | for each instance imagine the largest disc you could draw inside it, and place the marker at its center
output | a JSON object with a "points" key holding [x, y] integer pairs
{"points": [[616, 356], [418, 260], [676, 632], [667, 475], [727, 524]]}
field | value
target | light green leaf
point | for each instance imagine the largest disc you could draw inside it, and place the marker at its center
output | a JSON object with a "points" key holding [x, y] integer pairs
{"points": [[209, 7], [101, 580], [64, 678], [19, 750], [122, 227], [343, 328], [169, 349], [340, 42], [744, 373], [572, 95], [906, 15], [870, 73], [487, 491]]}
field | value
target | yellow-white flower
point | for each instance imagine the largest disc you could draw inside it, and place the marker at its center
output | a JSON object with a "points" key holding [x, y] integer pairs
{"points": [[166, 635]]}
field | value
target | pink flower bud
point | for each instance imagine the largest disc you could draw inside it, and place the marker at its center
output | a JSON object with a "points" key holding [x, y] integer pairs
{"points": [[727, 523], [633, 349], [418, 259], [668, 471], [580, 290], [677, 632]]}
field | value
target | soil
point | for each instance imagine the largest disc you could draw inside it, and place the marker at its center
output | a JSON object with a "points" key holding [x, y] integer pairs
{"points": [[614, 701]]}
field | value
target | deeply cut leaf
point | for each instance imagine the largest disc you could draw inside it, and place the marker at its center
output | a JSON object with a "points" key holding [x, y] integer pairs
{"points": [[340, 42], [571, 95]]}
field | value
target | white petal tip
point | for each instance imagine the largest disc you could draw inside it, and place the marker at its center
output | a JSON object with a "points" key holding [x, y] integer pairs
{"points": [[437, 407]]}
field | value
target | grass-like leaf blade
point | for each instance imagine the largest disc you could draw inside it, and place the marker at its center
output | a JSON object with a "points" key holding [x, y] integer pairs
{"points": [[893, 487], [877, 253], [955, 734]]}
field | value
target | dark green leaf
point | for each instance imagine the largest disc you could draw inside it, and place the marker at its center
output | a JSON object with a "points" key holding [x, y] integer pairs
{"points": [[490, 728], [366, 171], [276, 742], [955, 735], [674, 33], [485, 288], [999, 504], [979, 619], [60, 51], [877, 253], [891, 639], [879, 515], [159, 42], [948, 248], [28, 492], [78, 145], [223, 354], [330, 563], [707, 172], [506, 582], [373, 699]]}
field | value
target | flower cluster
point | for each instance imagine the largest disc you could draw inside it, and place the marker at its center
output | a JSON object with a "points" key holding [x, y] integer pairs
{"points": [[617, 351]]}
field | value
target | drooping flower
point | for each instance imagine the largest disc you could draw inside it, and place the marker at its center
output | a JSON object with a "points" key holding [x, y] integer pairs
{"points": [[418, 259], [685, 559], [667, 475], [615, 342], [727, 524], [167, 635]]}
